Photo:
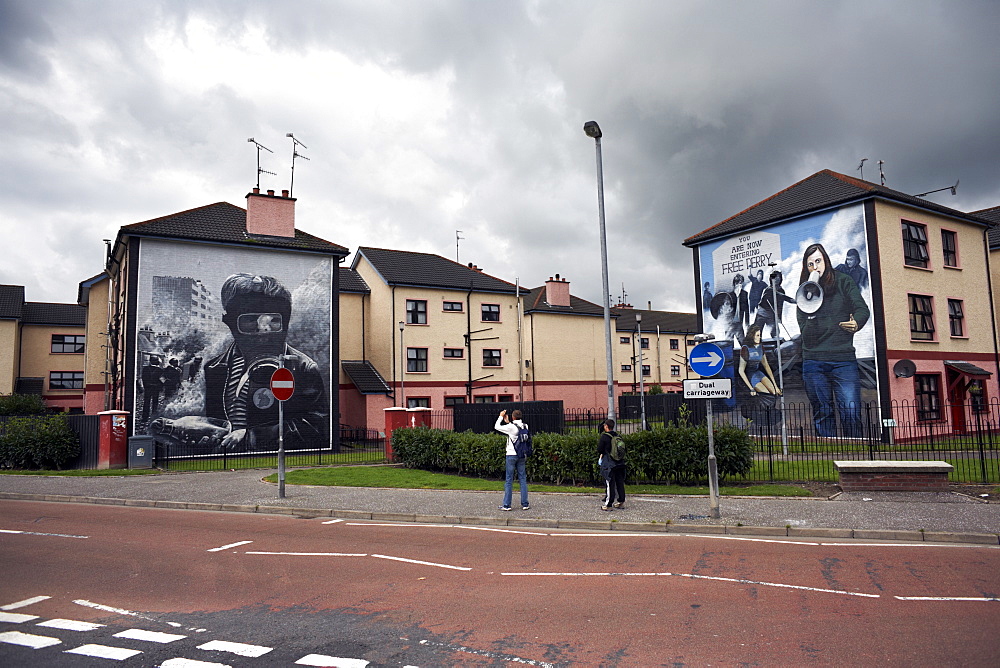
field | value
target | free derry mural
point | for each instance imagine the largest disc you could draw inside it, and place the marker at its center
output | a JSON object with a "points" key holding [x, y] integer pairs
{"points": [[817, 307]]}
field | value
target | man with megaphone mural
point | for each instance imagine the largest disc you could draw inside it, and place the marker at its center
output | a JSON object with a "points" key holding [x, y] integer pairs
{"points": [[830, 310]]}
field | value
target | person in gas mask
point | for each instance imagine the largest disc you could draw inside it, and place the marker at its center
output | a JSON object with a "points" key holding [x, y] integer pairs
{"points": [[237, 382]]}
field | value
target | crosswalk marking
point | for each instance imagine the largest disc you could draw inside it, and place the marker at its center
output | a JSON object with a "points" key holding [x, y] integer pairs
{"points": [[28, 640], [192, 663], [25, 602], [330, 661], [70, 625], [104, 652], [149, 636], [16, 617], [236, 648], [231, 545]]}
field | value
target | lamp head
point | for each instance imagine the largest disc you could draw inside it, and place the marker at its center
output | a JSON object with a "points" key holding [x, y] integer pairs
{"points": [[592, 129], [401, 325]]}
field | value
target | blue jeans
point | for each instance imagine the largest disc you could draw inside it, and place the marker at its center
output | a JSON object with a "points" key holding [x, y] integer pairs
{"points": [[833, 387], [515, 462]]}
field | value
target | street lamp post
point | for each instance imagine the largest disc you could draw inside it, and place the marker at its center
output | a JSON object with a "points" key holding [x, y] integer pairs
{"points": [[781, 372], [402, 366], [592, 129], [642, 391]]}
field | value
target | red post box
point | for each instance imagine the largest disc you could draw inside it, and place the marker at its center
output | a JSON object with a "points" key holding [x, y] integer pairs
{"points": [[112, 452]]}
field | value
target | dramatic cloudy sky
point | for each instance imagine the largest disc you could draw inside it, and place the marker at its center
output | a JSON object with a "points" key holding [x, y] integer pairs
{"points": [[426, 117]]}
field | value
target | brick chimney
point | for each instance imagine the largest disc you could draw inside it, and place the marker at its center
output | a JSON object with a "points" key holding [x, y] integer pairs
{"points": [[557, 291], [270, 214]]}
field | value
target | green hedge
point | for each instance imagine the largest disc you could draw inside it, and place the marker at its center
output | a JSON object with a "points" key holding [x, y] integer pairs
{"points": [[22, 404], [676, 454], [37, 442]]}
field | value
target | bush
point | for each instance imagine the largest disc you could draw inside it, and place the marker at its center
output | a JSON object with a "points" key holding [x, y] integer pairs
{"points": [[677, 453], [37, 442], [22, 404]]}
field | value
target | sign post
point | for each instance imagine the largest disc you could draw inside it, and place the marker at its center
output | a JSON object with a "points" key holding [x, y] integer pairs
{"points": [[706, 360], [282, 387]]}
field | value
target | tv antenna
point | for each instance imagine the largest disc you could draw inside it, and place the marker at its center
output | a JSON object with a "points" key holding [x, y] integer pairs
{"points": [[953, 190], [880, 172], [259, 170], [295, 154], [861, 167], [458, 236]]}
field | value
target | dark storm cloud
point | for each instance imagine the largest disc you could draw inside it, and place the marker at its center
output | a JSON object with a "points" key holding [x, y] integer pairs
{"points": [[707, 108]]}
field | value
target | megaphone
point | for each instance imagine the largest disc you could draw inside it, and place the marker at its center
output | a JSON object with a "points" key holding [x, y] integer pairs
{"points": [[809, 296]]}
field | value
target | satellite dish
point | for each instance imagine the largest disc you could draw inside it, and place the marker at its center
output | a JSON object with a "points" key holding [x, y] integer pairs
{"points": [[904, 368]]}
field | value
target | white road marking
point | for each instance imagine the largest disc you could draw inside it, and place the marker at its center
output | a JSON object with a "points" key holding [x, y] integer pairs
{"points": [[16, 617], [332, 521], [423, 563], [707, 577], [491, 655], [104, 652], [947, 598], [108, 608], [25, 602], [28, 640], [444, 526], [330, 661], [149, 636], [192, 663], [36, 533], [236, 648], [311, 554], [70, 625], [231, 545]]}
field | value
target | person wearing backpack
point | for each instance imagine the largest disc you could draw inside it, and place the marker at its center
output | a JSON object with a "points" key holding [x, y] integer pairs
{"points": [[518, 449], [611, 453]]}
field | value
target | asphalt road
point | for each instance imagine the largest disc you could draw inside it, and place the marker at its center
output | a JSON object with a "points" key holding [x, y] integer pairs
{"points": [[428, 595]]}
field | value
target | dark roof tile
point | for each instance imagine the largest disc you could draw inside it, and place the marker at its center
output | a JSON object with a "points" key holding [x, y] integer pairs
{"points": [[351, 281], [534, 302], [427, 270], [45, 313], [668, 321], [11, 301], [365, 377]]}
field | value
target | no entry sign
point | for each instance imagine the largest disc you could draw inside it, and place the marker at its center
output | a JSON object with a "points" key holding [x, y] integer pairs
{"points": [[282, 384]]}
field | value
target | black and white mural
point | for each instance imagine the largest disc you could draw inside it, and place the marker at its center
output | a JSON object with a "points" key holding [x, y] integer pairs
{"points": [[213, 325]]}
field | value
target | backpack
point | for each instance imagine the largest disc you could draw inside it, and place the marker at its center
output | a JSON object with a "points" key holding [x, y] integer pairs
{"points": [[522, 442], [618, 449]]}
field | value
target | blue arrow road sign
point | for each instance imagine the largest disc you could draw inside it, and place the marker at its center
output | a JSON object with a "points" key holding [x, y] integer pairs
{"points": [[706, 359]]}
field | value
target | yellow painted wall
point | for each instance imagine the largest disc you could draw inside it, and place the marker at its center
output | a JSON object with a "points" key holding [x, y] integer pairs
{"points": [[968, 282], [353, 311], [9, 344], [97, 337], [37, 358]]}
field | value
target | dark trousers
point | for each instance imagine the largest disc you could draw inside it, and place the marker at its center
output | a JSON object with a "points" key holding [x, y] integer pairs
{"points": [[614, 480]]}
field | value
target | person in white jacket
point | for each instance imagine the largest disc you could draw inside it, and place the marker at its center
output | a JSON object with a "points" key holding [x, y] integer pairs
{"points": [[512, 429]]}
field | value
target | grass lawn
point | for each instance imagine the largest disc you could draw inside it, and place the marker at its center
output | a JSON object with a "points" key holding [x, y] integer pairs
{"points": [[397, 477]]}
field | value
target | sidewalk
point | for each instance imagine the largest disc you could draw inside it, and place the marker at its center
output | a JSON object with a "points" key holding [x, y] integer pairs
{"points": [[911, 516]]}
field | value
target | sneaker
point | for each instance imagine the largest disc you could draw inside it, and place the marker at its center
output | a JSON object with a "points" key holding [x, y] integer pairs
{"points": [[505, 508], [620, 504], [605, 507], [525, 507]]}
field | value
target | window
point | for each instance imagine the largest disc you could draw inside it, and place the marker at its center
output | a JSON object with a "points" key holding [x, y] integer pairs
{"points": [[624, 339], [505, 397], [956, 317], [451, 402], [645, 369], [491, 357], [416, 360], [626, 367], [674, 344], [418, 402], [416, 311], [675, 370], [66, 380], [644, 343], [927, 397], [921, 318], [949, 247], [915, 245], [484, 399], [691, 342], [454, 353], [491, 312], [67, 343], [452, 306]]}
